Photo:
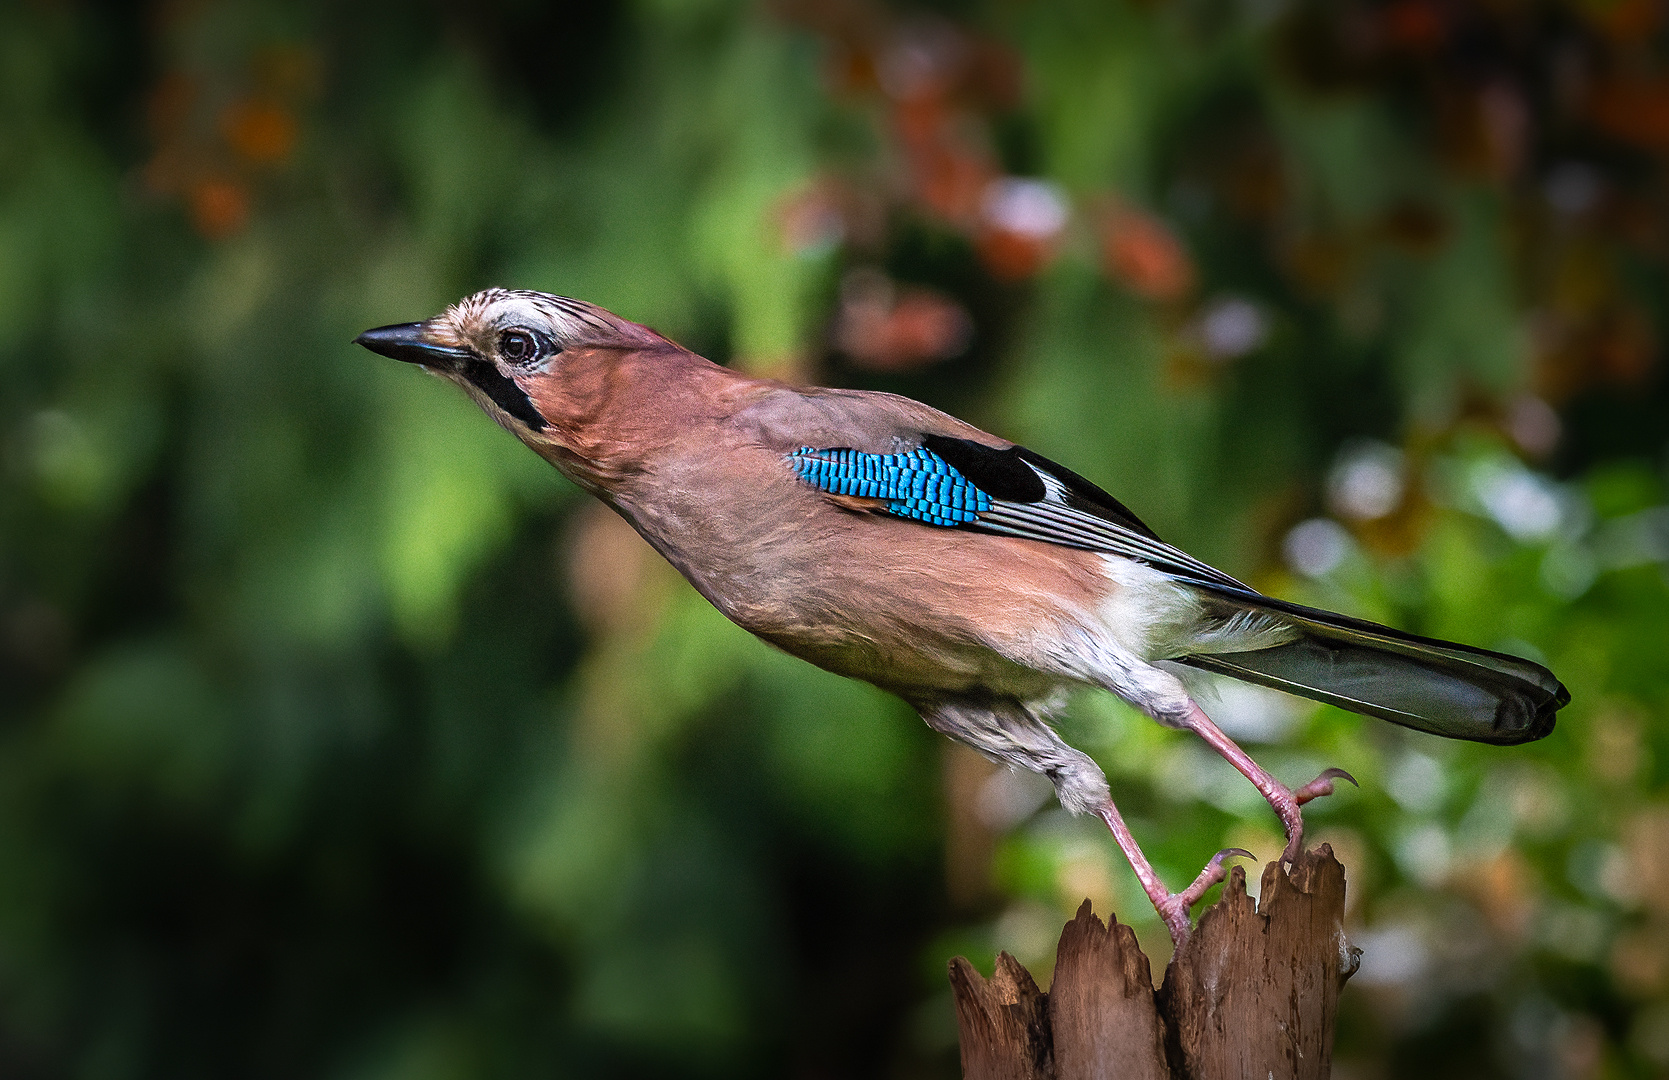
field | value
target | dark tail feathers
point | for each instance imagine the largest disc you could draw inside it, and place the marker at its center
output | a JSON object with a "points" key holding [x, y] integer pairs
{"points": [[1438, 686]]}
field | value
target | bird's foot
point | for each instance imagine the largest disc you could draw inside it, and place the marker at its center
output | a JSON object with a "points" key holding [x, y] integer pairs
{"points": [[1173, 908], [1176, 908], [1286, 804]]}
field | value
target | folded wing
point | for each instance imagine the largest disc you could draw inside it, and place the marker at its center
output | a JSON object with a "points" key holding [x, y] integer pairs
{"points": [[1441, 687]]}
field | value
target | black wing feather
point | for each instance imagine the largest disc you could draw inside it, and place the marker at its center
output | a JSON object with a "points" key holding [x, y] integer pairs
{"points": [[1001, 474], [1084, 495]]}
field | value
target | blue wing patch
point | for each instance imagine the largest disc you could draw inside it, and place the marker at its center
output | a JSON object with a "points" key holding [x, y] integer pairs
{"points": [[919, 485]]}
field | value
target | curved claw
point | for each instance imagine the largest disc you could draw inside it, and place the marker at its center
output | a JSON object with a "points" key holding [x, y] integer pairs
{"points": [[1338, 774], [1322, 785], [1211, 875], [1176, 908]]}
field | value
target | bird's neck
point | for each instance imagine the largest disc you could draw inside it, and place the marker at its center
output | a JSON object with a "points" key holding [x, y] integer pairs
{"points": [[613, 412]]}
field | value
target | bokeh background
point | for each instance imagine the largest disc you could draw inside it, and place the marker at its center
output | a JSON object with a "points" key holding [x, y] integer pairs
{"points": [[343, 738]]}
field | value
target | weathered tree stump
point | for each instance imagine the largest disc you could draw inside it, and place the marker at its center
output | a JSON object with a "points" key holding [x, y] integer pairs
{"points": [[1253, 993]]}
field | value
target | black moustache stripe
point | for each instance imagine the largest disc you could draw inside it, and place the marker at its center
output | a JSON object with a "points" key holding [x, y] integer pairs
{"points": [[505, 394]]}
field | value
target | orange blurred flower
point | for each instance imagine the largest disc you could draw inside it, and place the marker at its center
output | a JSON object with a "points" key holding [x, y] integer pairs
{"points": [[1634, 110], [948, 167], [1415, 25], [1625, 20], [1011, 256], [219, 206], [948, 183], [261, 132], [883, 327], [1143, 254]]}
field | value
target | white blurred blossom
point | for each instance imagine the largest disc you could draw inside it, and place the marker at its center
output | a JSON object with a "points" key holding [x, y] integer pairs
{"points": [[1417, 782], [1367, 481], [1573, 188], [1026, 207], [1525, 504], [1316, 547], [1424, 853], [1394, 955], [1255, 713], [1231, 328]]}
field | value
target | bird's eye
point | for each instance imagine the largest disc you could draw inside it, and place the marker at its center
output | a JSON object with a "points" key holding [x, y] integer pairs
{"points": [[517, 346]]}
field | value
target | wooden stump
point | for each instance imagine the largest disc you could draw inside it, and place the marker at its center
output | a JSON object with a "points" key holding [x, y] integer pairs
{"points": [[1253, 993]]}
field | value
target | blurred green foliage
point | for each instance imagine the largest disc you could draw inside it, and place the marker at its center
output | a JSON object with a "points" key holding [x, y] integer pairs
{"points": [[342, 737]]}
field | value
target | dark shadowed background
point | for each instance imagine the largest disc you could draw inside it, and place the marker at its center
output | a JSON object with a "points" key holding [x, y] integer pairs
{"points": [[341, 737]]}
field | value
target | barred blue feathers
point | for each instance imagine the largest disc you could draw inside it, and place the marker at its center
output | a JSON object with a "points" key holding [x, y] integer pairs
{"points": [[919, 485]]}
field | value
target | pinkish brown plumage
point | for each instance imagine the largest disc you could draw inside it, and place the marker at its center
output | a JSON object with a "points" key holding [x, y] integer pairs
{"points": [[881, 539]]}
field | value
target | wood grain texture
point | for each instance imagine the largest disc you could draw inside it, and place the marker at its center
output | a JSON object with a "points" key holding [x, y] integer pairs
{"points": [[1101, 1004], [1253, 993], [1003, 1022]]}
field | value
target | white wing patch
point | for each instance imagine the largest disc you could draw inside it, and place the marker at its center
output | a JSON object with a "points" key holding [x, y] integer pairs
{"points": [[1054, 520]]}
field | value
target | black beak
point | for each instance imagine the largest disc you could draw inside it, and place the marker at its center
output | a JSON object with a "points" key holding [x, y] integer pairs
{"points": [[404, 341]]}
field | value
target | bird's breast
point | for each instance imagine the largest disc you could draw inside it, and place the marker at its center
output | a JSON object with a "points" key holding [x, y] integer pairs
{"points": [[906, 606]]}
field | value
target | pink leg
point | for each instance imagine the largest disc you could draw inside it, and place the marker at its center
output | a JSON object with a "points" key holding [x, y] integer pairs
{"points": [[1285, 801], [1172, 907]]}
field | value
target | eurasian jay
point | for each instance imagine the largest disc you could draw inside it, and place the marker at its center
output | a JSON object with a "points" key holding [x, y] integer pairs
{"points": [[884, 540]]}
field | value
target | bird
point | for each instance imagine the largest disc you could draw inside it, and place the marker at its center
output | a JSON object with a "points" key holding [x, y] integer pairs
{"points": [[884, 540]]}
